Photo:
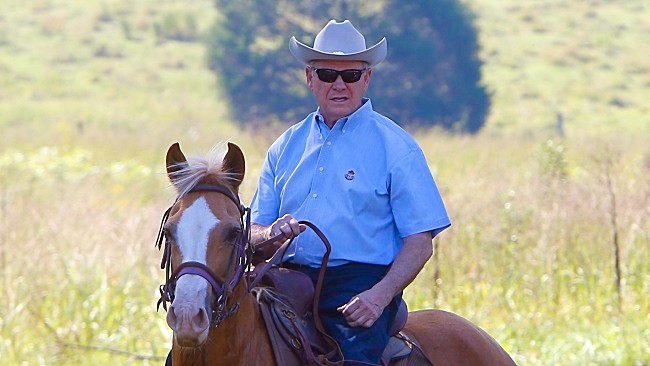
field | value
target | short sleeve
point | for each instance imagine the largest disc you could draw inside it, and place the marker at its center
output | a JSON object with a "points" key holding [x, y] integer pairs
{"points": [[415, 199]]}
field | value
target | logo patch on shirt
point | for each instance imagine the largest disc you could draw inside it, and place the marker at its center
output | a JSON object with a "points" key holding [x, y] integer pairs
{"points": [[349, 175]]}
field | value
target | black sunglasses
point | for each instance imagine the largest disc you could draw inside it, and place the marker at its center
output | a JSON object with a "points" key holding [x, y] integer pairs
{"points": [[330, 75]]}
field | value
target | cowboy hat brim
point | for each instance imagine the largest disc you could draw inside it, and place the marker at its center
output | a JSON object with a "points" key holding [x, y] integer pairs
{"points": [[306, 54]]}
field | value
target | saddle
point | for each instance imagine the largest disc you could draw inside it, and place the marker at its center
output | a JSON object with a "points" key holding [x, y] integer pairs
{"points": [[286, 297]]}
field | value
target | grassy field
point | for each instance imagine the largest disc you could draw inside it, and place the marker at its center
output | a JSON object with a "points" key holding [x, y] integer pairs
{"points": [[92, 94], [581, 59]]}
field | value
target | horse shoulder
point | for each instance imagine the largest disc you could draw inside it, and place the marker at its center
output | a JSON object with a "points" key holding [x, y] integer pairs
{"points": [[242, 339], [449, 339]]}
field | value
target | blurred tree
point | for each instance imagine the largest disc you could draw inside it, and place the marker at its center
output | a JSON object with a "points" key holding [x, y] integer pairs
{"points": [[431, 75]]}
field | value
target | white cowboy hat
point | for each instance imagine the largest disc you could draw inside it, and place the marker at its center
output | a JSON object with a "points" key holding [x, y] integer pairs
{"points": [[339, 41]]}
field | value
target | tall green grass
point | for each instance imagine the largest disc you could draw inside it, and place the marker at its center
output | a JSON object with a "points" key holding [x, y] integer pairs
{"points": [[92, 94], [531, 253], [529, 257]]}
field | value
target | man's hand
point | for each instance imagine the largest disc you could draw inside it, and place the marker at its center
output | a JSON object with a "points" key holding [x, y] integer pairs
{"points": [[364, 309], [286, 225]]}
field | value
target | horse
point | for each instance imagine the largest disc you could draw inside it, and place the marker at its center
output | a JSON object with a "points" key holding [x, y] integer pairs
{"points": [[215, 318]]}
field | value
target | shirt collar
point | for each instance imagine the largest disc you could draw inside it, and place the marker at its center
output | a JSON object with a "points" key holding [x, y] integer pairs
{"points": [[349, 123]]}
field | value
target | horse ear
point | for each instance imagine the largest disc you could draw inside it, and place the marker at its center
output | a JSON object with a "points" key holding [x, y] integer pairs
{"points": [[234, 163], [175, 161]]}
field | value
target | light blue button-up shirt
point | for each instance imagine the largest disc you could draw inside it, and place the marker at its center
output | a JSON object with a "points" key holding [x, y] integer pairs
{"points": [[365, 183]]}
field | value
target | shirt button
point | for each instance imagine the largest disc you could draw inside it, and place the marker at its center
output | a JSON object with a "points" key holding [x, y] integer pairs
{"points": [[315, 195], [343, 131], [300, 249], [321, 169], [329, 142]]}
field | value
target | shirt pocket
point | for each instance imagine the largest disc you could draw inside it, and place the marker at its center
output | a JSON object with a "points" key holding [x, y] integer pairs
{"points": [[364, 193]]}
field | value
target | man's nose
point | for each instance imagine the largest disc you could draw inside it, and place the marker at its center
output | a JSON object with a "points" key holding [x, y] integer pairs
{"points": [[339, 83]]}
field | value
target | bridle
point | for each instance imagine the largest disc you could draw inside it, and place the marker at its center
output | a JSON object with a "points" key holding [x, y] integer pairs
{"points": [[240, 259]]}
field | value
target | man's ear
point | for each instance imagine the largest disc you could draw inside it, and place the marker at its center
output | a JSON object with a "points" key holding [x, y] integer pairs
{"points": [[366, 77], [309, 75]]}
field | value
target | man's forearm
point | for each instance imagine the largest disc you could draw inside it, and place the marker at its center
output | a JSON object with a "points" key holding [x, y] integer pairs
{"points": [[364, 309], [259, 233], [415, 253]]}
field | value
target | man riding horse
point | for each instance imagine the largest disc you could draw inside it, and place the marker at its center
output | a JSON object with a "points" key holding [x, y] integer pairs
{"points": [[360, 178]]}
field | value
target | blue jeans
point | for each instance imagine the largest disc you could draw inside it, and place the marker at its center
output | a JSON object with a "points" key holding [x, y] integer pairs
{"points": [[360, 346]]}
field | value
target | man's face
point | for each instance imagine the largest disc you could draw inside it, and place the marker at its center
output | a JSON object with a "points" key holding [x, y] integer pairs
{"points": [[338, 99]]}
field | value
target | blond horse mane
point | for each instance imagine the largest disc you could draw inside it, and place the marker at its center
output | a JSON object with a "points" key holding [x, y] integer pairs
{"points": [[202, 168]]}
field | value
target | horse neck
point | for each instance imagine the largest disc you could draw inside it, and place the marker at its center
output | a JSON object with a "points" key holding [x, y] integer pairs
{"points": [[241, 340]]}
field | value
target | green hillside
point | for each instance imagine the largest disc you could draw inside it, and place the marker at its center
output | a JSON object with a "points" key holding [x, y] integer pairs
{"points": [[117, 65], [584, 59], [91, 72]]}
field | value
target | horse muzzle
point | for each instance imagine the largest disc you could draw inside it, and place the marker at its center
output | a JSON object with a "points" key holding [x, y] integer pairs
{"points": [[190, 325], [189, 314]]}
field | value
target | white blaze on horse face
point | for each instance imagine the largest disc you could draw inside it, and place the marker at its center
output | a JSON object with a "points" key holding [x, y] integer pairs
{"points": [[192, 233]]}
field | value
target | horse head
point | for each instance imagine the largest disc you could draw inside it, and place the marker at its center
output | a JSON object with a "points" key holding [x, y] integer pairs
{"points": [[205, 238]]}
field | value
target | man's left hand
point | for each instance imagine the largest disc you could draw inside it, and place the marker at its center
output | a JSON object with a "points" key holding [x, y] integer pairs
{"points": [[364, 309]]}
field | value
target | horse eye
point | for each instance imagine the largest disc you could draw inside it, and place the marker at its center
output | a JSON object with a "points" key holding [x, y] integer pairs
{"points": [[233, 234]]}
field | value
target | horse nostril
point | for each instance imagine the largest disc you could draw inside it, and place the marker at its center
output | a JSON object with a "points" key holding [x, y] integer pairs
{"points": [[200, 320], [192, 319], [172, 320]]}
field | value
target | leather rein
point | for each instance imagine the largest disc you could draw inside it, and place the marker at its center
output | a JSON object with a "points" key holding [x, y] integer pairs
{"points": [[239, 264]]}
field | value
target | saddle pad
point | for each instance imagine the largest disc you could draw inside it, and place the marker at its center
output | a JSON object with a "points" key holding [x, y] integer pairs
{"points": [[396, 349], [405, 352]]}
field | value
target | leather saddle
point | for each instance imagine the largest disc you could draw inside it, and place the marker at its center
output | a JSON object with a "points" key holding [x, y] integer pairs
{"points": [[286, 298]]}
